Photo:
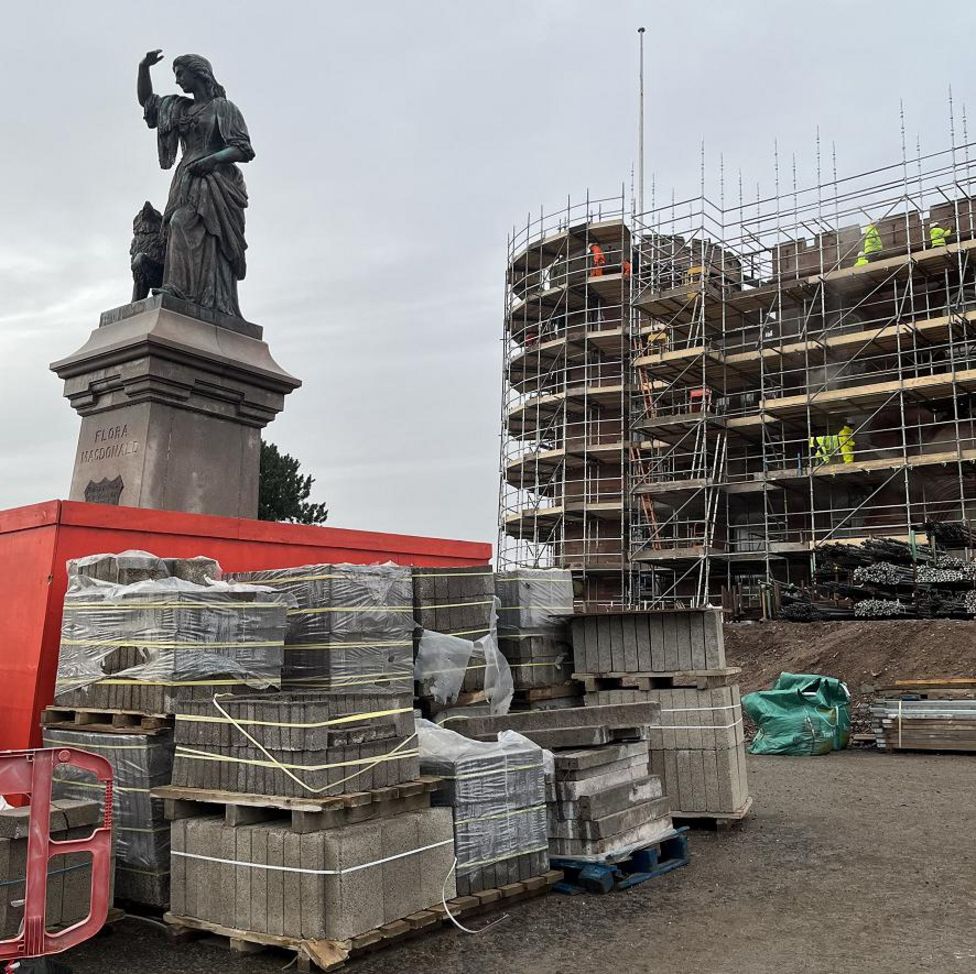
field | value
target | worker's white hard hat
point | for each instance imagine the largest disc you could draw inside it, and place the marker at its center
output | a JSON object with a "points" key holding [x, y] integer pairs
{"points": [[935, 223]]}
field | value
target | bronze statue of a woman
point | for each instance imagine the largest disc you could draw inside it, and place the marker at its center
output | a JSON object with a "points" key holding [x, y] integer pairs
{"points": [[203, 223]]}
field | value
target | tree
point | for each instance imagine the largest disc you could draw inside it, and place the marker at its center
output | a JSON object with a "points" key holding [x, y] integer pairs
{"points": [[283, 492]]}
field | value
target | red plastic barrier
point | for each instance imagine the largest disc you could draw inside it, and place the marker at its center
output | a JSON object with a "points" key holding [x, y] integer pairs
{"points": [[30, 773]]}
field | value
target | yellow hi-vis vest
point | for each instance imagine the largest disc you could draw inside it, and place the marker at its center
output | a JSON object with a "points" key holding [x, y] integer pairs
{"points": [[938, 236], [826, 448], [872, 240], [845, 440]]}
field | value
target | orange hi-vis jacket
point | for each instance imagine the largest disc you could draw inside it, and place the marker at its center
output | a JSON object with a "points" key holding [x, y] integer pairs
{"points": [[599, 260]]}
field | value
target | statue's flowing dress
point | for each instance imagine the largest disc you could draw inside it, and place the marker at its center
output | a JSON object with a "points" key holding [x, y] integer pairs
{"points": [[204, 217]]}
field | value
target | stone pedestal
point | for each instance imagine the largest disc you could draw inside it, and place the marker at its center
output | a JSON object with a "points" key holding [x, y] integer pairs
{"points": [[173, 399]]}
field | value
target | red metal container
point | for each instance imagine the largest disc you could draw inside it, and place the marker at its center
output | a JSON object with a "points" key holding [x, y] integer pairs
{"points": [[36, 541]]}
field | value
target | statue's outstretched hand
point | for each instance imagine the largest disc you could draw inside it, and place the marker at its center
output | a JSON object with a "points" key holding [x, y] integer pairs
{"points": [[152, 57]]}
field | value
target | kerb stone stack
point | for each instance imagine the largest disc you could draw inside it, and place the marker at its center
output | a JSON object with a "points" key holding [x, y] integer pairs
{"points": [[677, 660]]}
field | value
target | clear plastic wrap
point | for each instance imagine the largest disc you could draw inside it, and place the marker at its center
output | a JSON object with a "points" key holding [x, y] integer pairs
{"points": [[142, 843], [146, 645], [456, 601], [533, 626], [296, 744], [132, 566], [445, 662], [352, 626], [533, 600], [497, 791]]}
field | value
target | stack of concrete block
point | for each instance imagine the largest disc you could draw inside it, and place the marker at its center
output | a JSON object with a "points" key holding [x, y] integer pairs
{"points": [[677, 660], [700, 749], [68, 877], [296, 744], [456, 602], [535, 606], [130, 567], [603, 800], [140, 762], [163, 633], [352, 629], [604, 803], [497, 793], [330, 884]]}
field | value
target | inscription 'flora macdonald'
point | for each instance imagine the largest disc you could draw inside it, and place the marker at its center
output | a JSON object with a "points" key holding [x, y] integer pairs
{"points": [[115, 445]]}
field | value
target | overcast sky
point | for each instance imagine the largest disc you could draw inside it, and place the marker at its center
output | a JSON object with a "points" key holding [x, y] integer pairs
{"points": [[397, 144]]}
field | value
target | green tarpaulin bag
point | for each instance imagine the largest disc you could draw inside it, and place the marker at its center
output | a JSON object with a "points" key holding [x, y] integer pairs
{"points": [[802, 714]]}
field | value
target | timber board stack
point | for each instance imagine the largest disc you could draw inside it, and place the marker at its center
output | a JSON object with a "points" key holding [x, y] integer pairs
{"points": [[926, 715], [677, 660], [455, 602], [603, 801], [535, 606], [141, 636]]}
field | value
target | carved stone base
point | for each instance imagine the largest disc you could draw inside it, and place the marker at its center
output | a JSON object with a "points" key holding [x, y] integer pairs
{"points": [[173, 402]]}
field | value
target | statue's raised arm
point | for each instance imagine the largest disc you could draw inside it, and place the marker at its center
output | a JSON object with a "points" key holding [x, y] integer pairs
{"points": [[144, 81], [203, 223]]}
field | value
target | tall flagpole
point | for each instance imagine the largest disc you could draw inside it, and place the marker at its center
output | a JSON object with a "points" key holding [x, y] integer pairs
{"points": [[640, 130]]}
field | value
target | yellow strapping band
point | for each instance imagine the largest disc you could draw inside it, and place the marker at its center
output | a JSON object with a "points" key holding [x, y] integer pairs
{"points": [[348, 719], [99, 784], [352, 608], [136, 606], [160, 644], [487, 862], [195, 755], [508, 813]]}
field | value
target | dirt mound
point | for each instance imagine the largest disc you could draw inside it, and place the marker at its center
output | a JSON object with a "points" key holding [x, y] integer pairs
{"points": [[865, 655]]}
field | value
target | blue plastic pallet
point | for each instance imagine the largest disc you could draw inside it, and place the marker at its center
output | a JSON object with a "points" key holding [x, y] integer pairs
{"points": [[653, 860]]}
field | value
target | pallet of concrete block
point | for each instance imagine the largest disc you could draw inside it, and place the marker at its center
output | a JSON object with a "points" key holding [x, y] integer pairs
{"points": [[296, 744], [330, 955], [628, 642], [140, 762], [604, 805], [68, 877], [535, 606], [352, 627], [699, 751], [900, 724], [143, 646], [312, 891], [496, 790], [457, 601]]}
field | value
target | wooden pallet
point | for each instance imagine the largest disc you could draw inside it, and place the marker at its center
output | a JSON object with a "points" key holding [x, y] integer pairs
{"points": [[305, 814], [329, 955], [716, 821], [654, 859], [106, 721], [698, 679], [556, 692]]}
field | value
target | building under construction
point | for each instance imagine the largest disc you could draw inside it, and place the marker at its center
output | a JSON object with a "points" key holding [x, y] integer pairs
{"points": [[715, 392]]}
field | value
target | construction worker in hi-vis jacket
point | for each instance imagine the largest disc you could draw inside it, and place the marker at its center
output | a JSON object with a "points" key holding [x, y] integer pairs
{"points": [[870, 247], [938, 235]]}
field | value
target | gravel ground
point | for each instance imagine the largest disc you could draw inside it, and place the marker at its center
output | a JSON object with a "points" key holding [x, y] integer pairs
{"points": [[854, 861]]}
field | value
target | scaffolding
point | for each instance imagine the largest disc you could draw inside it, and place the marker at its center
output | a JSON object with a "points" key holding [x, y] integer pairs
{"points": [[740, 385], [804, 374], [565, 400]]}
